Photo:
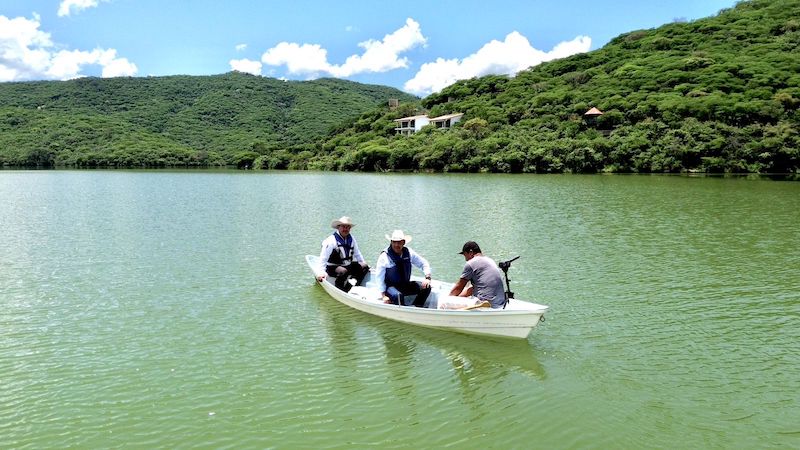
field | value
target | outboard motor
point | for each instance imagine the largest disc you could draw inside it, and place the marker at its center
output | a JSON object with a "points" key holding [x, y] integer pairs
{"points": [[504, 266]]}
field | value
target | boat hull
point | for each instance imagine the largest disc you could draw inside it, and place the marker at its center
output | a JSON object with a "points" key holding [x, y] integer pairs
{"points": [[517, 320]]}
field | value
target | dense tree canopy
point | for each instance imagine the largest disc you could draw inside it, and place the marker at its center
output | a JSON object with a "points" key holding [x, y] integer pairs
{"points": [[172, 121], [720, 94]]}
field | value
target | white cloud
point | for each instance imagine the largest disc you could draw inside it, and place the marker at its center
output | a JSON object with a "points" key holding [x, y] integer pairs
{"points": [[116, 67], [21, 47], [507, 57], [28, 53], [67, 64], [241, 47], [246, 66], [311, 60], [308, 59], [67, 7]]}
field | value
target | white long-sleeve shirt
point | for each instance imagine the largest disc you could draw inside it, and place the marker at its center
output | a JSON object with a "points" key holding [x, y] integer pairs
{"points": [[384, 262], [329, 245]]}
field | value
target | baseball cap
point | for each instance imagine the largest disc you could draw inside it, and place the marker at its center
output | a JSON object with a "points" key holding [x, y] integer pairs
{"points": [[470, 246]]}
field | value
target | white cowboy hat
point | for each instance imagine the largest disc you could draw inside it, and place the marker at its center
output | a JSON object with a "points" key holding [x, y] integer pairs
{"points": [[398, 235], [344, 220]]}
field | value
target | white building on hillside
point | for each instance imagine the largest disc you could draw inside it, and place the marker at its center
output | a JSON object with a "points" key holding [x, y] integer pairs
{"points": [[410, 125], [446, 121]]}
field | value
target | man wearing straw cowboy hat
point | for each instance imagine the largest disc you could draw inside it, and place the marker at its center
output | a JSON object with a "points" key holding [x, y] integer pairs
{"points": [[394, 272], [340, 256]]}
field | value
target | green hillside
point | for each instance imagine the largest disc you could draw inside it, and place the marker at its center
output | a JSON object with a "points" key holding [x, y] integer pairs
{"points": [[172, 121], [720, 94]]}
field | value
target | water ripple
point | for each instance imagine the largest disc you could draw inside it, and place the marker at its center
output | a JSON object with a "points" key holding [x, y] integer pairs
{"points": [[173, 310]]}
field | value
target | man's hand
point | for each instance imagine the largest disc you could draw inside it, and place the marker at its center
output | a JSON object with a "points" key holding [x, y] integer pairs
{"points": [[341, 270], [320, 278]]}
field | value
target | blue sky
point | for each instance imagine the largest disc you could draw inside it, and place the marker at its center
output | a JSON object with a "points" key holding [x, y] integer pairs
{"points": [[419, 47]]}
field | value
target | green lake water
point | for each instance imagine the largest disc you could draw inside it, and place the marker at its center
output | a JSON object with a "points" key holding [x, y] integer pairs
{"points": [[174, 309]]}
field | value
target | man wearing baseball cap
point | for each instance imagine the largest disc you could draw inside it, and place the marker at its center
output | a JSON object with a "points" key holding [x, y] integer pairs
{"points": [[485, 278]]}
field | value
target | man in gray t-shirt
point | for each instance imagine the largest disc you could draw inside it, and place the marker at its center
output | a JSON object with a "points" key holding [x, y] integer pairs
{"points": [[483, 273]]}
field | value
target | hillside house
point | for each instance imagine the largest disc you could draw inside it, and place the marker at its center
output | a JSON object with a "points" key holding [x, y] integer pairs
{"points": [[591, 115], [447, 120], [410, 125]]}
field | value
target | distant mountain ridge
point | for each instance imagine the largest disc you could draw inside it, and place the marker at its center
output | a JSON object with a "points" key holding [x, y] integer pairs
{"points": [[173, 120]]}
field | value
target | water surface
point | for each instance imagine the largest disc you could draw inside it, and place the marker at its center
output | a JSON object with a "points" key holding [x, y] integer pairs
{"points": [[173, 309]]}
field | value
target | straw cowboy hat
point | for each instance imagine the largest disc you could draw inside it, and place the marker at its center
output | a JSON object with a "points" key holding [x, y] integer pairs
{"points": [[398, 235], [344, 220]]}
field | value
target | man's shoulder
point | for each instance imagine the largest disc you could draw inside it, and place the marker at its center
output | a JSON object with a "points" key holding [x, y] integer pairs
{"points": [[383, 258], [478, 262]]}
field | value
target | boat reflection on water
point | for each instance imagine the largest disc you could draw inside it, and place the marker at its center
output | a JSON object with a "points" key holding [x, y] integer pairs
{"points": [[470, 356]]}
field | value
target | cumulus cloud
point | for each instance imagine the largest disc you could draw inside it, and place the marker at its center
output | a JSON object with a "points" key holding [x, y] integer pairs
{"points": [[66, 64], [305, 59], [246, 66], [67, 7], [311, 60], [508, 57], [114, 66], [28, 53]]}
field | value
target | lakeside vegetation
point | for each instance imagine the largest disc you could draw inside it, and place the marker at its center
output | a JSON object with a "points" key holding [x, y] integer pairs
{"points": [[720, 94], [228, 119]]}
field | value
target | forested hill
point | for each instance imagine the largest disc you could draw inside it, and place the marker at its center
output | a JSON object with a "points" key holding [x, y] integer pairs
{"points": [[720, 94], [174, 120]]}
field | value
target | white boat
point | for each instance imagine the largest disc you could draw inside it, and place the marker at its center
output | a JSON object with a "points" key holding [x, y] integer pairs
{"points": [[516, 320]]}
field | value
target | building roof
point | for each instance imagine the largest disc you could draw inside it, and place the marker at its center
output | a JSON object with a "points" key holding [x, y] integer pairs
{"points": [[402, 119], [593, 112], [446, 116]]}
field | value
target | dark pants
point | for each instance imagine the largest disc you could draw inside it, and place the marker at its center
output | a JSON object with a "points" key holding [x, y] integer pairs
{"points": [[409, 288], [354, 270]]}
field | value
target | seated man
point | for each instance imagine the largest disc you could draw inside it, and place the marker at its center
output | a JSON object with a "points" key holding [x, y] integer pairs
{"points": [[480, 278], [340, 256], [394, 272]]}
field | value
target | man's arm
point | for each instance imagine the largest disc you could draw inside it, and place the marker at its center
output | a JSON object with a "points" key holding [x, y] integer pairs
{"points": [[324, 255], [418, 261], [456, 291], [380, 272], [357, 256]]}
